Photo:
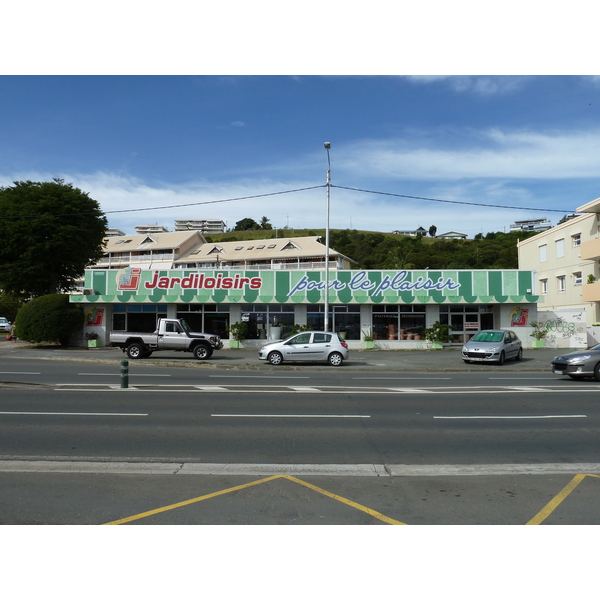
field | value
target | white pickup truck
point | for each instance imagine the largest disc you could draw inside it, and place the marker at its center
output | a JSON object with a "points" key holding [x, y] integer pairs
{"points": [[171, 334]]}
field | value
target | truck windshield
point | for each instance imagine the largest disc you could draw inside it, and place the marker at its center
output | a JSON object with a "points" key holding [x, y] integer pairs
{"points": [[185, 326]]}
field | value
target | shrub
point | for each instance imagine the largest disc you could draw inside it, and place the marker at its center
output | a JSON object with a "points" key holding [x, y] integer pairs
{"points": [[49, 319]]}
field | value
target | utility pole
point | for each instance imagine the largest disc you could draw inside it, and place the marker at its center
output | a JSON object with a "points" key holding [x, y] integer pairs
{"points": [[328, 187]]}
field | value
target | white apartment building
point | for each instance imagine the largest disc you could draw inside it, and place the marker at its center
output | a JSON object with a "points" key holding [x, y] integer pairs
{"points": [[531, 225], [146, 229], [203, 225], [565, 260]]}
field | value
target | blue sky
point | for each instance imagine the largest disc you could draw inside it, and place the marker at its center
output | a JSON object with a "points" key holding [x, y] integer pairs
{"points": [[193, 142]]}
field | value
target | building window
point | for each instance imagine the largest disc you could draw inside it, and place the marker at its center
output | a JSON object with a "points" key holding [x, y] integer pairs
{"points": [[208, 318], [560, 248], [543, 253], [577, 278], [562, 283], [398, 322], [344, 319], [544, 286], [576, 240]]}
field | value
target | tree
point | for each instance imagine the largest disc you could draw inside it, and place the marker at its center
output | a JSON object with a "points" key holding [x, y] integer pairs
{"points": [[50, 232], [432, 231], [264, 223], [246, 224], [49, 319]]}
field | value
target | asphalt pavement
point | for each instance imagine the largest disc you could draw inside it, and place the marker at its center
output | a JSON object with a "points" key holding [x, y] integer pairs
{"points": [[446, 360]]}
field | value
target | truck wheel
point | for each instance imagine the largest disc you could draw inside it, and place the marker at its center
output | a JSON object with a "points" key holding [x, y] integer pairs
{"points": [[202, 352], [136, 351]]}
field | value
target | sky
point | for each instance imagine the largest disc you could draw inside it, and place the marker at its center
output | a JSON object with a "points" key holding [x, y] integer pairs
{"points": [[427, 142]]}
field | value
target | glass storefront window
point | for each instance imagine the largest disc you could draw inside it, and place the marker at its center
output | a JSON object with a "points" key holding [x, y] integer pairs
{"points": [[343, 319], [137, 317], [263, 317], [399, 322], [465, 320], [206, 318]]}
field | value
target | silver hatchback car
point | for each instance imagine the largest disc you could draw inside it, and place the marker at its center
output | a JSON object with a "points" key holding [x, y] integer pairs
{"points": [[308, 346], [492, 345]]}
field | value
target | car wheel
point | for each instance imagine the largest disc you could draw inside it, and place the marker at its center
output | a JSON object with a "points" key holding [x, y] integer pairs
{"points": [[202, 352], [501, 359], [597, 372], [275, 358], [135, 351], [519, 355], [335, 359]]}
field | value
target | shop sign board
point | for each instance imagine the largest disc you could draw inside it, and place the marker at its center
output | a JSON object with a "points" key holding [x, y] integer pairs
{"points": [[307, 287]]}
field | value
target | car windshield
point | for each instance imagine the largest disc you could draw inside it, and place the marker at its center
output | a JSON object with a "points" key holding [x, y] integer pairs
{"points": [[488, 336], [184, 325]]}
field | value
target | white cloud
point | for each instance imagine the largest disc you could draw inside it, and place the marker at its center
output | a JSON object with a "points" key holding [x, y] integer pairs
{"points": [[481, 85], [489, 154]]}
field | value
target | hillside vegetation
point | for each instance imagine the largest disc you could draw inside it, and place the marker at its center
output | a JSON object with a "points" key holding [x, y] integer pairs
{"points": [[375, 250]]}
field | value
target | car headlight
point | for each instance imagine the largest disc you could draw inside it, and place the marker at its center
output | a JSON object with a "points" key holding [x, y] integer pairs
{"points": [[577, 359], [465, 349]]}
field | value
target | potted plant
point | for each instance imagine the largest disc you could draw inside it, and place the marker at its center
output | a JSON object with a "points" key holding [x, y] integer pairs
{"points": [[92, 339], [368, 339], [538, 334], [437, 334], [237, 333]]}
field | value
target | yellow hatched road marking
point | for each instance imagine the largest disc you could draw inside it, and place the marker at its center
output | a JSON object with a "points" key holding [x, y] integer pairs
{"points": [[156, 511], [554, 503]]}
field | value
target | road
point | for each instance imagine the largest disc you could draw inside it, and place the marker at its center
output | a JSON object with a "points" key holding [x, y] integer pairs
{"points": [[397, 447]]}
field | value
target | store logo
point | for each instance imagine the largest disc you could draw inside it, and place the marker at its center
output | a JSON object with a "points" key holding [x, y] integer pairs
{"points": [[361, 281], [129, 279], [197, 281]]}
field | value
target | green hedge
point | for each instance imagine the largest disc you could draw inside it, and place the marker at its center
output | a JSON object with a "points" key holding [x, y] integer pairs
{"points": [[49, 319]]}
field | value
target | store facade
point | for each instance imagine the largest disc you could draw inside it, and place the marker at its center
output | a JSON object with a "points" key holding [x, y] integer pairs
{"points": [[392, 306]]}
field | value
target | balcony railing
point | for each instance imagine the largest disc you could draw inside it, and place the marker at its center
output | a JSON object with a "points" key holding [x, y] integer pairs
{"points": [[590, 292], [590, 250]]}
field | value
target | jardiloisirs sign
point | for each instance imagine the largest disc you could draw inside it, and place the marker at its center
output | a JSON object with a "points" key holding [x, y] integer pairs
{"points": [[136, 285]]}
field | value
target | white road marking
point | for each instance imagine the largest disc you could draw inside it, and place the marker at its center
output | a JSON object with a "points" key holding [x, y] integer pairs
{"points": [[518, 417], [210, 388], [262, 376], [296, 416], [117, 374], [18, 373], [72, 414], [404, 378]]}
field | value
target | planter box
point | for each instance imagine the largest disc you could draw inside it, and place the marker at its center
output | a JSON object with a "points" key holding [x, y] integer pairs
{"points": [[369, 344], [538, 344], [437, 345], [93, 343], [234, 344]]}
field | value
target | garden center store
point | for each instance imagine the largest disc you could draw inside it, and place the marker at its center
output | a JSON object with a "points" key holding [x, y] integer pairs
{"points": [[393, 307]]}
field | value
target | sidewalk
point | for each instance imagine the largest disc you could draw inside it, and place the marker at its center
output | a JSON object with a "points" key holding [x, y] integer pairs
{"points": [[449, 359]]}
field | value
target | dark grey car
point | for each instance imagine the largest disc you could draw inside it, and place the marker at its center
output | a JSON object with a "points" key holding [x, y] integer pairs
{"points": [[492, 345], [579, 364]]}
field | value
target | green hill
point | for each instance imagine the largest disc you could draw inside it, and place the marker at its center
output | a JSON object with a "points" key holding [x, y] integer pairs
{"points": [[375, 250]]}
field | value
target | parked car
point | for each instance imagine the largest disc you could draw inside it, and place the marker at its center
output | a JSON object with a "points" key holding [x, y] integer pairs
{"points": [[307, 346], [4, 325], [492, 345], [170, 334], [579, 364]]}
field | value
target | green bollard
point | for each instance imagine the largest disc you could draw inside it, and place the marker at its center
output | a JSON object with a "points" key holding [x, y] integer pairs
{"points": [[124, 373]]}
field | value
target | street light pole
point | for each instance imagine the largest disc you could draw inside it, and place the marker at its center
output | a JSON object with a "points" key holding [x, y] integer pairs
{"points": [[328, 187]]}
